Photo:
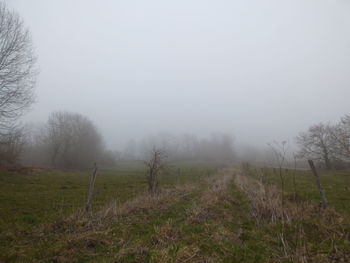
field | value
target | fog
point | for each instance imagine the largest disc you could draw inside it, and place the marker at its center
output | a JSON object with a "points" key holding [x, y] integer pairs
{"points": [[257, 70]]}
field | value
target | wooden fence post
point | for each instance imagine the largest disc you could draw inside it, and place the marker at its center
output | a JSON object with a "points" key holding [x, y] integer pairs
{"points": [[91, 188]]}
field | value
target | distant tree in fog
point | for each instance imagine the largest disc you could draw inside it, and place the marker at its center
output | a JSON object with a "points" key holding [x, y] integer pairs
{"points": [[316, 144], [11, 144], [17, 72], [35, 150], [130, 151], [73, 140], [340, 135], [217, 147]]}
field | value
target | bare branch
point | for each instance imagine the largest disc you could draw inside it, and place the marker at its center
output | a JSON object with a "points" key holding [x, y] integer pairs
{"points": [[17, 68]]}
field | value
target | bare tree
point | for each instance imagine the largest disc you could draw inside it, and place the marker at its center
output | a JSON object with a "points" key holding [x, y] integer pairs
{"points": [[59, 134], [154, 167], [316, 144], [340, 135], [17, 79], [17, 71], [73, 140], [35, 150]]}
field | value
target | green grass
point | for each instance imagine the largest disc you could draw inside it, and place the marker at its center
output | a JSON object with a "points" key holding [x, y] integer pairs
{"points": [[30, 200], [187, 226], [310, 232], [41, 197]]}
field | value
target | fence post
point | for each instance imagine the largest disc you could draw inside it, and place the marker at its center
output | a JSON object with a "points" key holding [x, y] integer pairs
{"points": [[91, 188]]}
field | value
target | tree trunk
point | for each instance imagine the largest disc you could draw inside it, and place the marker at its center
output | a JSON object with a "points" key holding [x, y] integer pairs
{"points": [[327, 162], [319, 186]]}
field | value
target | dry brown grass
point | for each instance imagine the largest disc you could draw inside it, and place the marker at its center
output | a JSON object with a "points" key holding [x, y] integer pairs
{"points": [[143, 203], [84, 244], [266, 203], [165, 234], [216, 191], [299, 222], [138, 251], [265, 200], [87, 231], [186, 254]]}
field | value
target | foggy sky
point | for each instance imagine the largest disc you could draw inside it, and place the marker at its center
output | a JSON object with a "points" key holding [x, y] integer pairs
{"points": [[260, 70]]}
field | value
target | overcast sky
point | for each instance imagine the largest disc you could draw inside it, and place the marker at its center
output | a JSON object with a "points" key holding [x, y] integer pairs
{"points": [[260, 70]]}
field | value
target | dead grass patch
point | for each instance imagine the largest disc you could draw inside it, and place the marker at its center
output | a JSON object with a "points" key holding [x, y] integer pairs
{"points": [[143, 203], [191, 254], [265, 200], [165, 234], [266, 203], [81, 245], [138, 252], [305, 230], [205, 208]]}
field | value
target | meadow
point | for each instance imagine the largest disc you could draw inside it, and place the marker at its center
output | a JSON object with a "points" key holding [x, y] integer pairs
{"points": [[206, 212]]}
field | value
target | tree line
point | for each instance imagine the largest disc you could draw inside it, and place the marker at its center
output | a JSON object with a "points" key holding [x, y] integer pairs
{"points": [[67, 139], [216, 147], [72, 140]]}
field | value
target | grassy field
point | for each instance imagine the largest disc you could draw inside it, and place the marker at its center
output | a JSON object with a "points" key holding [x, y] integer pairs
{"points": [[29, 199], [205, 214]]}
